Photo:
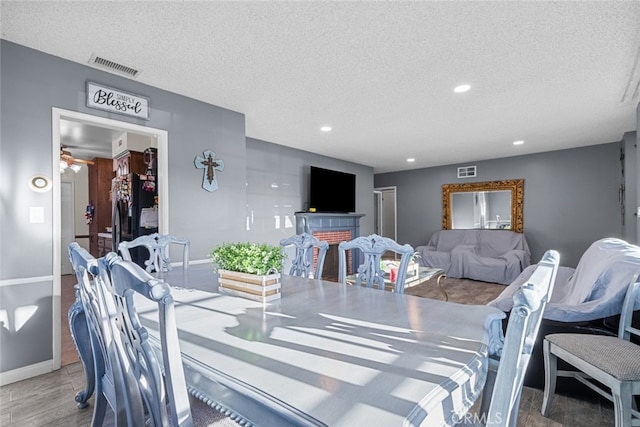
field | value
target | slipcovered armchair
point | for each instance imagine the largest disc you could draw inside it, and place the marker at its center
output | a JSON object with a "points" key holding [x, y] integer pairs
{"points": [[585, 299], [497, 256], [595, 289]]}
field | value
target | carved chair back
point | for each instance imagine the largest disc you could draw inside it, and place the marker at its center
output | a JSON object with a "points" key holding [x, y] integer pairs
{"points": [[302, 264], [113, 387], [505, 385], [159, 376], [157, 245], [369, 273]]}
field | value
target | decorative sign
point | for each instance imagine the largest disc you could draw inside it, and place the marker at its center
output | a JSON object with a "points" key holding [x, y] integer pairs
{"points": [[116, 101], [209, 180]]}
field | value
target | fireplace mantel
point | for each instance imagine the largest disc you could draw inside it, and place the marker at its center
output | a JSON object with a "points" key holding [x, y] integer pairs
{"points": [[333, 228], [307, 222]]}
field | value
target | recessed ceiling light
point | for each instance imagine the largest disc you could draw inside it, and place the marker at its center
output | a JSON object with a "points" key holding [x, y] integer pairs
{"points": [[325, 128], [462, 88], [518, 142], [411, 160]]}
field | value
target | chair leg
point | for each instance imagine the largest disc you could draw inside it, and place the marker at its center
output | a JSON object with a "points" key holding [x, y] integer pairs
{"points": [[99, 409], [487, 392], [513, 417], [622, 404], [550, 375]]}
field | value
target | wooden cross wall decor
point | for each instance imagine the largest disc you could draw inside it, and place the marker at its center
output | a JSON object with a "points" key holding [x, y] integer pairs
{"points": [[209, 180]]}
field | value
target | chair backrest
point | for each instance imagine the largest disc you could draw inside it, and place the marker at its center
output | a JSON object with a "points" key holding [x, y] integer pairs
{"points": [[302, 264], [159, 376], [522, 329], [157, 245], [369, 273], [631, 300], [118, 389]]}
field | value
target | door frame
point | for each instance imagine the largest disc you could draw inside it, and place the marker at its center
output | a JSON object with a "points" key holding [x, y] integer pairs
{"points": [[379, 214], [70, 221], [162, 139]]}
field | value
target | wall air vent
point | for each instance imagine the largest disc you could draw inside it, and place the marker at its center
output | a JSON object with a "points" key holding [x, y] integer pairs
{"points": [[113, 67], [467, 171]]}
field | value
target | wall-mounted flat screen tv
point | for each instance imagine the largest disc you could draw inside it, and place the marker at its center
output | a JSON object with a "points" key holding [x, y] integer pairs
{"points": [[331, 191]]}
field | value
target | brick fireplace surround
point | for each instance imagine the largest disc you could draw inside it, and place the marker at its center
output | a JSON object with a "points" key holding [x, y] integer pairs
{"points": [[332, 228]]}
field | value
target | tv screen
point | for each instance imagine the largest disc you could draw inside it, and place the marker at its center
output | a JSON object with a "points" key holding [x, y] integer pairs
{"points": [[331, 191]]}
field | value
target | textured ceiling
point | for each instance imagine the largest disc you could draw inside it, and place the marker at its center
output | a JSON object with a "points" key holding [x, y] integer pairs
{"points": [[381, 74]]}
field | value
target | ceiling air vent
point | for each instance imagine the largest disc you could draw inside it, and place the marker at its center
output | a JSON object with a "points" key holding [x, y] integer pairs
{"points": [[466, 171], [113, 67]]}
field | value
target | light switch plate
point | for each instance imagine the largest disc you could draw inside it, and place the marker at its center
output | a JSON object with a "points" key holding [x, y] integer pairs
{"points": [[36, 215]]}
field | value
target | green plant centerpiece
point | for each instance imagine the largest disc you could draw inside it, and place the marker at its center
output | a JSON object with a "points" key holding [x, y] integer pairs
{"points": [[252, 258], [249, 270]]}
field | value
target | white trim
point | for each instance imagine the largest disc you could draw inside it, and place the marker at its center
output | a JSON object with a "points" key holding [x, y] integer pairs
{"points": [[395, 207], [57, 233], [25, 372], [25, 280], [163, 195]]}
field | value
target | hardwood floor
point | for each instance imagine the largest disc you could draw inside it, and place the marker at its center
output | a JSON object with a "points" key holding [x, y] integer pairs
{"points": [[67, 297], [48, 400]]}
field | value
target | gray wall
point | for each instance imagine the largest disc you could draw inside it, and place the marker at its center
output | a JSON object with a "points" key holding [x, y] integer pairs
{"points": [[631, 161], [637, 205], [570, 197], [32, 83], [278, 185]]}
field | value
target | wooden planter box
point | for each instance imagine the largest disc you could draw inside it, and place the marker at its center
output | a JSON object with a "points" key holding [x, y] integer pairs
{"points": [[251, 286]]}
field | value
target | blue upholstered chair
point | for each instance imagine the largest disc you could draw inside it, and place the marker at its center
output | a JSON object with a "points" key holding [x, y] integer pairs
{"points": [[302, 264], [157, 245], [505, 377], [611, 361], [369, 273]]}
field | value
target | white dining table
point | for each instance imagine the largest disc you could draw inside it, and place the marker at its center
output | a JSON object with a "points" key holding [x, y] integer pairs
{"points": [[329, 354]]}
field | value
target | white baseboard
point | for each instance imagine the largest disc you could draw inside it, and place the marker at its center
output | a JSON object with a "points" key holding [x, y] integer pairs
{"points": [[26, 372]]}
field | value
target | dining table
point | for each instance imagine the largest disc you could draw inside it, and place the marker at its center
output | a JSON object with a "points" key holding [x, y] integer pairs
{"points": [[328, 354]]}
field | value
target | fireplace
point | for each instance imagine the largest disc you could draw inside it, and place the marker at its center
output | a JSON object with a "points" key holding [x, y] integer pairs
{"points": [[332, 228]]}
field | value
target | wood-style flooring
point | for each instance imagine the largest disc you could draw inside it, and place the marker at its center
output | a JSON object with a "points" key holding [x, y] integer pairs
{"points": [[48, 400]]}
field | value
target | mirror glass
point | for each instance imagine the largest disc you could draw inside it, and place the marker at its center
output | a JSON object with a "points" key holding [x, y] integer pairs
{"points": [[483, 205]]}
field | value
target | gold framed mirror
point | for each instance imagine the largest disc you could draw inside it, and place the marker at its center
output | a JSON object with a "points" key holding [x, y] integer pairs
{"points": [[483, 205]]}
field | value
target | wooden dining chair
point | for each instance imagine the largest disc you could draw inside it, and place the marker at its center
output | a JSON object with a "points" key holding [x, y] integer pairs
{"points": [[614, 362], [369, 273], [159, 378], [501, 395], [157, 370], [113, 387], [306, 244], [157, 245], [84, 266]]}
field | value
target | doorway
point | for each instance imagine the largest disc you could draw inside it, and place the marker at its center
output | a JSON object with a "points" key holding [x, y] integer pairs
{"points": [[61, 203], [385, 212]]}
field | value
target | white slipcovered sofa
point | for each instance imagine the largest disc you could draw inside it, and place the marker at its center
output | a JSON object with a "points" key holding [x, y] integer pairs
{"points": [[497, 256]]}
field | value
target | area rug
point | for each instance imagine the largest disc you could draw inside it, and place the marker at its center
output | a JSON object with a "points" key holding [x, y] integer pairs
{"points": [[463, 291]]}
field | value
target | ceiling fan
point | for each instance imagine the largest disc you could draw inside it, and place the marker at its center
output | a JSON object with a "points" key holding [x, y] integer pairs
{"points": [[68, 161]]}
